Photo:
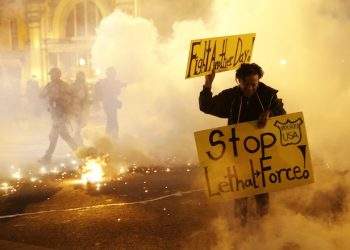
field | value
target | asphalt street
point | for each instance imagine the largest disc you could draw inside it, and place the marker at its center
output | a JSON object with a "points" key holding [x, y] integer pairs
{"points": [[146, 208]]}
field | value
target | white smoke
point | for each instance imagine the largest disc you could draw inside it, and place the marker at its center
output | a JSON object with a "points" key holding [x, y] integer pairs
{"points": [[309, 217], [302, 47], [160, 108]]}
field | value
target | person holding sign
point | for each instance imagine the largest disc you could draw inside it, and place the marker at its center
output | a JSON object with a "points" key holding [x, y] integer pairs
{"points": [[249, 101]]}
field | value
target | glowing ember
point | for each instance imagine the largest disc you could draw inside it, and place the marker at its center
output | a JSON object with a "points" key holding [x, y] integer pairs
{"points": [[43, 170], [55, 170], [33, 179], [92, 171], [17, 175], [122, 170], [4, 186]]}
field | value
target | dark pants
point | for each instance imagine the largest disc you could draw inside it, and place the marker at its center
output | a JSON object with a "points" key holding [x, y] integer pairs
{"points": [[59, 128], [111, 121], [241, 207], [81, 120]]}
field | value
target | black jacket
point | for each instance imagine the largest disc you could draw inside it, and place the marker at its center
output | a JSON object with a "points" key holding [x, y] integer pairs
{"points": [[232, 104]]}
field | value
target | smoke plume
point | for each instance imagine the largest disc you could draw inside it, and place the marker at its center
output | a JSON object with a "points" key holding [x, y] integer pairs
{"points": [[302, 47]]}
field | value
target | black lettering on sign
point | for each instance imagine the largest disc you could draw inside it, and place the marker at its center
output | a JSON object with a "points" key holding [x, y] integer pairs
{"points": [[280, 175], [255, 173], [234, 140], [264, 168], [240, 56], [193, 57], [216, 143], [223, 54], [255, 147], [208, 183], [290, 131], [238, 52], [241, 184], [302, 149], [212, 65], [207, 50], [264, 140]]}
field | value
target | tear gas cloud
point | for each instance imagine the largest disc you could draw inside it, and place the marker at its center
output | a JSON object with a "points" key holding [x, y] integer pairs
{"points": [[302, 47], [310, 217], [23, 117]]}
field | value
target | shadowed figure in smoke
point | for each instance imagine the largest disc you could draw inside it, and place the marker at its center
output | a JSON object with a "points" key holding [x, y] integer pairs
{"points": [[251, 100], [81, 104], [106, 92], [60, 98]]}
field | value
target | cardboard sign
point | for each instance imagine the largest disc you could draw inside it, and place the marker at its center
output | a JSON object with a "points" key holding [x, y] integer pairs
{"points": [[219, 54], [242, 160]]}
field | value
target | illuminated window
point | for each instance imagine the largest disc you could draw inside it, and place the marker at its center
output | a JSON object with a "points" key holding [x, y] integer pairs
{"points": [[83, 20]]}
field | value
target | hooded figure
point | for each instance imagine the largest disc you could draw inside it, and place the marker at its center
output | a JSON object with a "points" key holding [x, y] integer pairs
{"points": [[250, 100]]}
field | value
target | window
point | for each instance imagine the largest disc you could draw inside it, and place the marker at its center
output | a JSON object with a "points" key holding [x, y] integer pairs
{"points": [[83, 20]]}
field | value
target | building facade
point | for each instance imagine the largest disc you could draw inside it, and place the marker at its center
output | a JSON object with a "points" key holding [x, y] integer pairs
{"points": [[39, 34]]}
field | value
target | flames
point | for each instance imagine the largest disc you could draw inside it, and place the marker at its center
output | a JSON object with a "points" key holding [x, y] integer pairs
{"points": [[92, 170]]}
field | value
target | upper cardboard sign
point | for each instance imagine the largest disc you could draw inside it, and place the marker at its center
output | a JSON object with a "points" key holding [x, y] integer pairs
{"points": [[219, 54]]}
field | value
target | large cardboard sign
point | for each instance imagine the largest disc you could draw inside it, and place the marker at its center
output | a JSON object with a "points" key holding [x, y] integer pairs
{"points": [[242, 160], [219, 54]]}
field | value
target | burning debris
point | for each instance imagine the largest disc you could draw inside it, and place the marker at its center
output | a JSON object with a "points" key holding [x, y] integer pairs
{"points": [[92, 171], [94, 166]]}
